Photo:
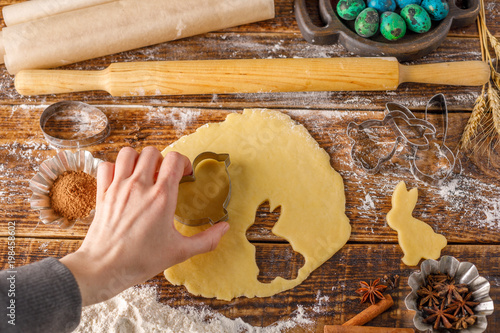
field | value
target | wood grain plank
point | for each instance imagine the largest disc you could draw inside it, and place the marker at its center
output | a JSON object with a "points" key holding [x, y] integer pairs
{"points": [[327, 296], [463, 209]]}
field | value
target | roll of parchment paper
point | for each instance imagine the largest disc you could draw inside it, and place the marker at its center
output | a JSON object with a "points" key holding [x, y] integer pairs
{"points": [[121, 26], [31, 10]]}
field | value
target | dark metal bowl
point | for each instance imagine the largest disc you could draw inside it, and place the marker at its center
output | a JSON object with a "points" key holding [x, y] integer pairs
{"points": [[410, 47]]}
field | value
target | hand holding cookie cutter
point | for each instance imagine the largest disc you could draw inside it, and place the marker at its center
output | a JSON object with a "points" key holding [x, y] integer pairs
{"points": [[425, 133], [191, 178]]}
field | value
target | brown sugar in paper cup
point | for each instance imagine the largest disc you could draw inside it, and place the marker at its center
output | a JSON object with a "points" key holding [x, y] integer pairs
{"points": [[43, 181]]}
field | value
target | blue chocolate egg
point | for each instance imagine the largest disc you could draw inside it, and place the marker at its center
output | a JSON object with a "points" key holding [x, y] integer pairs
{"points": [[392, 26], [367, 22], [349, 9], [416, 18], [403, 3], [437, 9], [383, 5]]}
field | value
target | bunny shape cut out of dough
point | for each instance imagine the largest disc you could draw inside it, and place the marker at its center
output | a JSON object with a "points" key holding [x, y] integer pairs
{"points": [[416, 238]]}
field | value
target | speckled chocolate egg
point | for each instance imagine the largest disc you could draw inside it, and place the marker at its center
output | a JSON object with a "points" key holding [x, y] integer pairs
{"points": [[404, 3], [437, 9], [416, 18], [367, 22], [392, 26], [349, 9], [383, 5]]}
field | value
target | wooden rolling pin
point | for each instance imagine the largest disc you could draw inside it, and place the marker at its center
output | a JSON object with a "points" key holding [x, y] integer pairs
{"points": [[250, 76]]}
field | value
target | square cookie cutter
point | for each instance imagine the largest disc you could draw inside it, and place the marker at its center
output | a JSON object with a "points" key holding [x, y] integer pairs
{"points": [[191, 178], [425, 133]]}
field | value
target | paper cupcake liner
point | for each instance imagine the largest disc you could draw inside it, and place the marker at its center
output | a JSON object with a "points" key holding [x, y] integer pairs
{"points": [[42, 182]]}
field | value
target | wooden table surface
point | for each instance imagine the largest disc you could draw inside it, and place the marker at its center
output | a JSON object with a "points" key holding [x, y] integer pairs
{"points": [[466, 209]]}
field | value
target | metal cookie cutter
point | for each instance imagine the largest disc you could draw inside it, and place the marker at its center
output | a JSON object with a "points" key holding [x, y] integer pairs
{"points": [[424, 132], [70, 124], [436, 176], [389, 121], [191, 178]]}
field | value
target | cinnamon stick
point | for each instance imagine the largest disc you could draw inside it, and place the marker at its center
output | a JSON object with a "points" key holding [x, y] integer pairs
{"points": [[365, 329], [371, 312]]}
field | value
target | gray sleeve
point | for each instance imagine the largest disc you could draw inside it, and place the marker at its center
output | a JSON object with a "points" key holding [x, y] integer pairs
{"points": [[40, 297]]}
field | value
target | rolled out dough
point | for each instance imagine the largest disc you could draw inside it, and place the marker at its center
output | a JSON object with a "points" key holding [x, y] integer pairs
{"points": [[275, 159]]}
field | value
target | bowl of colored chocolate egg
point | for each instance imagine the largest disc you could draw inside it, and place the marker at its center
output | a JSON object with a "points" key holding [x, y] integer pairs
{"points": [[381, 15], [405, 29]]}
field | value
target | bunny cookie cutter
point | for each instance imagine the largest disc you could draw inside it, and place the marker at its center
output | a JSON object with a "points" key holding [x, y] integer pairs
{"points": [[452, 163], [424, 132], [397, 112]]}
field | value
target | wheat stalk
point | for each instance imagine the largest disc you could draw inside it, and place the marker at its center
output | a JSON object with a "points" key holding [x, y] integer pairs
{"points": [[496, 78], [474, 120], [495, 44], [484, 121], [494, 106]]}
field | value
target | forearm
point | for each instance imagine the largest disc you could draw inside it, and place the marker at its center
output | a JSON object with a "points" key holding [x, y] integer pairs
{"points": [[97, 278], [41, 297]]}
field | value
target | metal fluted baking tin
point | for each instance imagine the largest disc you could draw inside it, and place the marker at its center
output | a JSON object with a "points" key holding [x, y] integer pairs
{"points": [[42, 182], [463, 272], [70, 124]]}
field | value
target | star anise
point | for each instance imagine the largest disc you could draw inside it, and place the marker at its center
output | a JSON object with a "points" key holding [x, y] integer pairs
{"points": [[451, 291], [439, 315], [434, 279], [428, 296], [464, 322], [371, 291], [463, 305]]}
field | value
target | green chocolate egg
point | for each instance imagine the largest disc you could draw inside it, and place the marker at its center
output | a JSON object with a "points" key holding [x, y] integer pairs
{"points": [[392, 26], [349, 9], [416, 18], [367, 22]]}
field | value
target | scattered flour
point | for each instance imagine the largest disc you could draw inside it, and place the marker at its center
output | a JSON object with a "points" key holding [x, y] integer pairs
{"points": [[137, 310], [477, 201], [321, 301], [368, 202], [43, 247], [180, 118]]}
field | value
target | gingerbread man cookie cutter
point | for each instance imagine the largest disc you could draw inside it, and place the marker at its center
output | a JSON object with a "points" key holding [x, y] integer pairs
{"points": [[191, 178], [424, 132]]}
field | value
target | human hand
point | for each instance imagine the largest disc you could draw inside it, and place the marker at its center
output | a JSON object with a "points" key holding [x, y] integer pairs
{"points": [[133, 237]]}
